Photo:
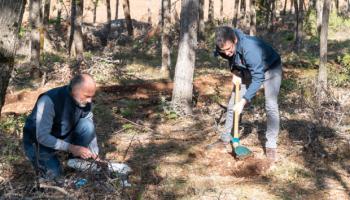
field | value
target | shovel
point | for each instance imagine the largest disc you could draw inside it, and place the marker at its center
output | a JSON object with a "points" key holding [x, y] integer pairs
{"points": [[239, 150]]}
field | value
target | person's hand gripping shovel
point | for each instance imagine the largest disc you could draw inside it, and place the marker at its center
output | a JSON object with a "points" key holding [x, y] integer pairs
{"points": [[239, 150]]}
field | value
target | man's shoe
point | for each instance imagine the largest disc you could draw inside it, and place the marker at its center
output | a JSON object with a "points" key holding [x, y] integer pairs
{"points": [[271, 154]]}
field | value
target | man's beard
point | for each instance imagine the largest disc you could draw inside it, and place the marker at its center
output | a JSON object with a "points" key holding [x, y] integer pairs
{"points": [[82, 104]]}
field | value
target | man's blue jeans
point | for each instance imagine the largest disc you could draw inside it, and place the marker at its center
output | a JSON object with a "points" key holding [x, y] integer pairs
{"points": [[272, 86], [47, 162]]}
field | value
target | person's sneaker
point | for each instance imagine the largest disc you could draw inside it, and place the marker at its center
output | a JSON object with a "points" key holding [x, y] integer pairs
{"points": [[271, 154]]}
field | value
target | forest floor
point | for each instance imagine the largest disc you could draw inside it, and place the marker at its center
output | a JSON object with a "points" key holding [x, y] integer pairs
{"points": [[167, 152]]}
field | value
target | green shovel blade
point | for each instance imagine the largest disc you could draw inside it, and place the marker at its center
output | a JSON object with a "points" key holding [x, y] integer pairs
{"points": [[242, 151]]}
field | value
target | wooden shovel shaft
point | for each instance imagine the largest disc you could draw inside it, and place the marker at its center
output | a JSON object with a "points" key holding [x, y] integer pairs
{"points": [[236, 119]]}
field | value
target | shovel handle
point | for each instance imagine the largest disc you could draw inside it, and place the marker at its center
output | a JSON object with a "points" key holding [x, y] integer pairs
{"points": [[236, 117]]}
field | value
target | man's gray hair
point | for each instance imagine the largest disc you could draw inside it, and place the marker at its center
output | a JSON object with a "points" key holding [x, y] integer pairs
{"points": [[78, 80]]}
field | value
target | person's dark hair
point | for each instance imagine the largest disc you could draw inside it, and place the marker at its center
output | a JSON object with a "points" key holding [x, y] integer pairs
{"points": [[77, 80], [223, 34]]}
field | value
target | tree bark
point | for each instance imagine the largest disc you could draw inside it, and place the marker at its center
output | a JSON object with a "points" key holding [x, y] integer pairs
{"points": [[35, 13], [126, 8], [183, 80], [299, 12], [252, 30], [234, 20], [247, 15], [47, 12], [322, 73], [319, 11], [166, 58], [149, 12], [109, 16], [76, 33], [221, 9], [201, 24], [285, 7], [59, 16], [95, 11], [116, 9], [238, 13], [11, 13], [211, 12]]}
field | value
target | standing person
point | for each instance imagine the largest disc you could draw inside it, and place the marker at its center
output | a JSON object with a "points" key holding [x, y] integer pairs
{"points": [[257, 61], [61, 121]]}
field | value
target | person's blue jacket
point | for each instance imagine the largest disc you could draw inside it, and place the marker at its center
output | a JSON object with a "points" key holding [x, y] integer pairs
{"points": [[255, 55]]}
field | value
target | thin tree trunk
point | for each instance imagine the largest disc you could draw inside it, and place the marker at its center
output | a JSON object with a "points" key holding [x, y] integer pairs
{"points": [[76, 34], [272, 7], [126, 8], [238, 13], [322, 73], [149, 12], [11, 13], [319, 15], [211, 12], [183, 80], [252, 30], [47, 12], [297, 25], [166, 58], [201, 24], [291, 11], [59, 16], [285, 7], [299, 30], [247, 15], [234, 20], [36, 25], [95, 11], [221, 9], [116, 9], [109, 16]]}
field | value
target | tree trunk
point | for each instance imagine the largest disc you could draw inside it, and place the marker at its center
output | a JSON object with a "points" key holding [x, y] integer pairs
{"points": [[183, 80], [322, 73], [297, 25], [166, 59], [201, 24], [319, 15], [291, 11], [116, 9], [285, 7], [59, 16], [238, 13], [11, 13], [109, 16], [47, 12], [126, 8], [211, 12], [76, 33], [221, 9], [149, 12], [95, 11], [36, 25], [272, 8], [299, 7], [234, 20], [247, 15], [252, 30]]}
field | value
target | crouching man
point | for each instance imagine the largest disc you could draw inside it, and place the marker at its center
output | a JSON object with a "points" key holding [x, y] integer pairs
{"points": [[61, 121]]}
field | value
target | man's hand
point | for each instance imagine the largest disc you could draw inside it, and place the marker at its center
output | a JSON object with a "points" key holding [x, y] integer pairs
{"points": [[239, 106], [236, 80], [81, 151]]}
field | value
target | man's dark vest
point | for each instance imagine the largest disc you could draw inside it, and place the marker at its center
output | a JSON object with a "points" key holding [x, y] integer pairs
{"points": [[67, 114]]}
